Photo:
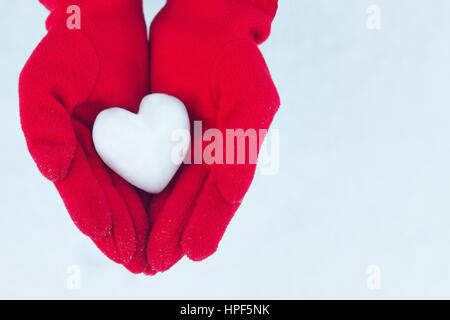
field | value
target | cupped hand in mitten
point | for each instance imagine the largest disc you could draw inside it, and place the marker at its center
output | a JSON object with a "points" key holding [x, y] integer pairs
{"points": [[206, 54], [94, 56]]}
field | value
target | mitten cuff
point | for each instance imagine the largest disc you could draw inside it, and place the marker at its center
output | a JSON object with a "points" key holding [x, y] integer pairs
{"points": [[91, 11], [101, 4]]}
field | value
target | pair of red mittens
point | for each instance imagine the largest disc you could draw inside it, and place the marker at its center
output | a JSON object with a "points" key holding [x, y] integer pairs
{"points": [[203, 52]]}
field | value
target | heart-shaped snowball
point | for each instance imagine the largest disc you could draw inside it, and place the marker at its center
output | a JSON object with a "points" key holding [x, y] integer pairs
{"points": [[147, 148]]}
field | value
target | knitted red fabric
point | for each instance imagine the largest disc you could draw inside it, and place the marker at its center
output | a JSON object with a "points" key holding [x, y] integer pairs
{"points": [[205, 53], [71, 76]]}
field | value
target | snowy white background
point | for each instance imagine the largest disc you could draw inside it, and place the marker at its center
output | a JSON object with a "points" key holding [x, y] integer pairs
{"points": [[364, 174]]}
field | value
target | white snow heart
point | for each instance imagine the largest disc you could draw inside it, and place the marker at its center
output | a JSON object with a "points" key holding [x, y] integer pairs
{"points": [[146, 149]]}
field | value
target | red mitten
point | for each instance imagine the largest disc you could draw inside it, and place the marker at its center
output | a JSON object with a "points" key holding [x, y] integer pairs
{"points": [[94, 56], [205, 53]]}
